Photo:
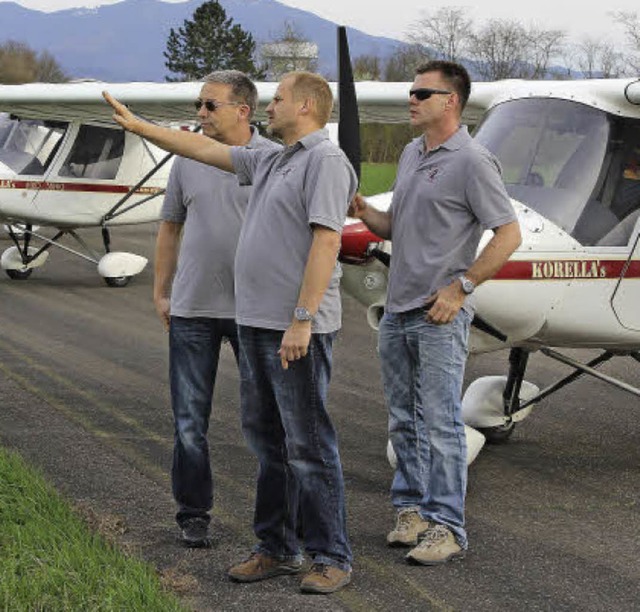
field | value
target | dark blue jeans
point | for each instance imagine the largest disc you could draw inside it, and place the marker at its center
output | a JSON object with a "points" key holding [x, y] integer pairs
{"points": [[194, 349], [286, 424]]}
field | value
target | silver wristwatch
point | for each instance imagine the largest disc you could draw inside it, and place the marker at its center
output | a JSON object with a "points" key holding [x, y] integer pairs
{"points": [[468, 285], [302, 314]]}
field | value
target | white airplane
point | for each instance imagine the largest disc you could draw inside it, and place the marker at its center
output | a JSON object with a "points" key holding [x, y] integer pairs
{"points": [[570, 153], [65, 164]]}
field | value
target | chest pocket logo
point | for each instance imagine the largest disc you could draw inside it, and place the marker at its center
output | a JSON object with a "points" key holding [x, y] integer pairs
{"points": [[432, 173]]}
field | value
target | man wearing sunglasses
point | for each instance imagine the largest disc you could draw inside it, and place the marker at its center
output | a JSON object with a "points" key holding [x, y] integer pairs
{"points": [[288, 312], [448, 190], [202, 214]]}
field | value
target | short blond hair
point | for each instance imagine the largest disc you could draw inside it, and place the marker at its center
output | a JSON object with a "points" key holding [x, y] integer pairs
{"points": [[310, 85]]}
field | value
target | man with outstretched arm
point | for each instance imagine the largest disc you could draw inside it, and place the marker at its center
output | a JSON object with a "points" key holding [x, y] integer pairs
{"points": [[202, 214], [448, 190], [288, 312]]}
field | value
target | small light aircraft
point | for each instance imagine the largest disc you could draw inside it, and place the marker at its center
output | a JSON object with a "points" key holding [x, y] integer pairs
{"points": [[570, 153], [64, 164]]}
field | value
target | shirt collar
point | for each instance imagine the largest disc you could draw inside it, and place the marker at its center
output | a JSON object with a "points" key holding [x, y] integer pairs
{"points": [[456, 141], [314, 138]]}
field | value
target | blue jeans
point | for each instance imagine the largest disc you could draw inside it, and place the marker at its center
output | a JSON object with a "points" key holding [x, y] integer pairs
{"points": [[286, 424], [194, 349], [422, 372]]}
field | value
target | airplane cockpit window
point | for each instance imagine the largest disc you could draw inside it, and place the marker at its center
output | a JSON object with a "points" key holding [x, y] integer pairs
{"points": [[96, 153], [29, 146], [555, 156]]}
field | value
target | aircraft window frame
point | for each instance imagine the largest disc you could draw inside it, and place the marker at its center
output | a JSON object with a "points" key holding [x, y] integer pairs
{"points": [[30, 145], [96, 153], [554, 154]]}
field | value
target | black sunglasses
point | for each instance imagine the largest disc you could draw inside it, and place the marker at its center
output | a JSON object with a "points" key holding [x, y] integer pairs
{"points": [[211, 105], [424, 93]]}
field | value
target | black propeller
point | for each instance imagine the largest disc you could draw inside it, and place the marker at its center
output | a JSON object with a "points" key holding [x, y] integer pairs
{"points": [[349, 122]]}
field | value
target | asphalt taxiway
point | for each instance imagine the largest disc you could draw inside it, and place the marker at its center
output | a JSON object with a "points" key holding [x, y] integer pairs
{"points": [[553, 515]]}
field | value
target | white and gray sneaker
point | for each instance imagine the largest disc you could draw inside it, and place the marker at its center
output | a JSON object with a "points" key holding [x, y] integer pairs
{"points": [[438, 545], [409, 526]]}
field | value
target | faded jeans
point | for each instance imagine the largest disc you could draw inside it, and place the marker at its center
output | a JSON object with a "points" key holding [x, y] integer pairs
{"points": [[286, 424], [194, 349], [422, 372]]}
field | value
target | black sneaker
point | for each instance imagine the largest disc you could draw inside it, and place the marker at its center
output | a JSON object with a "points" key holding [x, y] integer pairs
{"points": [[195, 533]]}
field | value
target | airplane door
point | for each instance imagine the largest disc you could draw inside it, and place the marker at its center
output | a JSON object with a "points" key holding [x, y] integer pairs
{"points": [[625, 300]]}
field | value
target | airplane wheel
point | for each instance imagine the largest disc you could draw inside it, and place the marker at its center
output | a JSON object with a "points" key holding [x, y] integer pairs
{"points": [[499, 434], [117, 281], [19, 274]]}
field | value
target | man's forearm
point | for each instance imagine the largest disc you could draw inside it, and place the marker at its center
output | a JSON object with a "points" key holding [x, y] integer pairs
{"points": [[166, 257], [505, 241], [187, 144], [319, 269], [378, 221]]}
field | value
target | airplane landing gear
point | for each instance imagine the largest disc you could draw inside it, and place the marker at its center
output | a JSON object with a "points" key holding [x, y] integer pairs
{"points": [[117, 281], [19, 274]]}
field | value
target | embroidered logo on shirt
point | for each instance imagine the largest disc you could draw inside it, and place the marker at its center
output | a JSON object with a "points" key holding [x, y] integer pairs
{"points": [[432, 174]]}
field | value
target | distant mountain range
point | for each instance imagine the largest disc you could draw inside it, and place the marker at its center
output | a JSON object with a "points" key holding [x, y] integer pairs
{"points": [[125, 41]]}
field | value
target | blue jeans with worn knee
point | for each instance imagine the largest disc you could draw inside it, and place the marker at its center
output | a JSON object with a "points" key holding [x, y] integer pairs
{"points": [[194, 349], [422, 372], [286, 424]]}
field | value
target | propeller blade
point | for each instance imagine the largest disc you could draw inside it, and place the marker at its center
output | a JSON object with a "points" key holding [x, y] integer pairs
{"points": [[349, 122]]}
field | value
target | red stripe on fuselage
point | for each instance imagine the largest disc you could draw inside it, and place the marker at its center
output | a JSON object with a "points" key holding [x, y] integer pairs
{"points": [[86, 187], [568, 269]]}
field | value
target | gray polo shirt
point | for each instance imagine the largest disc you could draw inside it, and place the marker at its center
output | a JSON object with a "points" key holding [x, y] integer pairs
{"points": [[442, 202], [211, 205], [309, 182]]}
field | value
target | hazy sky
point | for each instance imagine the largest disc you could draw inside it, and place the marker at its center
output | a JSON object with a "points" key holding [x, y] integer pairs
{"points": [[577, 17]]}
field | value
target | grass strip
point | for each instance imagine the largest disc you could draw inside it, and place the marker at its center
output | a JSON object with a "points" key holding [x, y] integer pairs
{"points": [[50, 560], [377, 178]]}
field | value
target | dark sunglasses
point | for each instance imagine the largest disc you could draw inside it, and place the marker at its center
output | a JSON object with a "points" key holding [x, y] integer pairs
{"points": [[425, 93], [211, 105]]}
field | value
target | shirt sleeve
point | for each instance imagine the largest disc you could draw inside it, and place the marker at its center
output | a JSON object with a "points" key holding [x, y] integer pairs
{"points": [[173, 208], [330, 186], [486, 192], [244, 162]]}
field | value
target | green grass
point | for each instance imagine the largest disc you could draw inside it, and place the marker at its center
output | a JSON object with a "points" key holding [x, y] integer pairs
{"points": [[50, 560], [377, 178]]}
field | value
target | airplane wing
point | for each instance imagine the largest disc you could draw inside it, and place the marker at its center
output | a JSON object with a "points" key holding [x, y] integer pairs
{"points": [[377, 101], [173, 102]]}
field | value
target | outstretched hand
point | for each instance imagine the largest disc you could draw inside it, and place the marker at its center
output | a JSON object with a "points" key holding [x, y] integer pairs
{"points": [[122, 115]]}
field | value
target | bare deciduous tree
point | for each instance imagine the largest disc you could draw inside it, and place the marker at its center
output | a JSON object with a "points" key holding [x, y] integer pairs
{"points": [[21, 64], [498, 49], [597, 59], [630, 21], [367, 68], [401, 66], [446, 31]]}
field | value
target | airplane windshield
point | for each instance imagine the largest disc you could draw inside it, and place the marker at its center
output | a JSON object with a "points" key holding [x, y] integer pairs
{"points": [[553, 155], [28, 147]]}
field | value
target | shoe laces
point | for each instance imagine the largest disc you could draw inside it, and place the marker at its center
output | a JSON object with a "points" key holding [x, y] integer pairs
{"points": [[405, 520], [320, 568], [433, 536]]}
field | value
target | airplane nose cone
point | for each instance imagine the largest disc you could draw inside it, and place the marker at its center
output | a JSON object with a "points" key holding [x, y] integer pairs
{"points": [[356, 242]]}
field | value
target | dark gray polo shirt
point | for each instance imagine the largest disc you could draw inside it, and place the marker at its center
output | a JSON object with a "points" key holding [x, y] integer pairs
{"points": [[310, 182], [211, 205], [442, 202]]}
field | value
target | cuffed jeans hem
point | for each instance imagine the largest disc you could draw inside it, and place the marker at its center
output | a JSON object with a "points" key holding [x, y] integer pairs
{"points": [[184, 514], [345, 567], [261, 548]]}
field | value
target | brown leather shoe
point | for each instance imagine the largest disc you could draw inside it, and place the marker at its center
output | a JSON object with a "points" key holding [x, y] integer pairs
{"points": [[323, 578], [260, 566]]}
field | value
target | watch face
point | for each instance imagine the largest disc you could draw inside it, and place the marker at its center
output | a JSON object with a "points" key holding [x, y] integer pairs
{"points": [[302, 314], [467, 285]]}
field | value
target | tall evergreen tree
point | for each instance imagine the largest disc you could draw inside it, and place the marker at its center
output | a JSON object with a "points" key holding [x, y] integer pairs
{"points": [[209, 42]]}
